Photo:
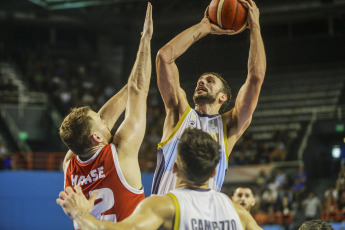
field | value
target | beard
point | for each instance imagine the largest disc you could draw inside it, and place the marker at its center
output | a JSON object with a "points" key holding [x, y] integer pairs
{"points": [[204, 99]]}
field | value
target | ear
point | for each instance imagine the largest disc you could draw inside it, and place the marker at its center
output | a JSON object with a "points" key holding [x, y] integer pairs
{"points": [[214, 173], [175, 168], [223, 97], [96, 138]]}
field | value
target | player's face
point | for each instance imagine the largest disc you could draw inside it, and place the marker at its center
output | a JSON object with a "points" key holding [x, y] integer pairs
{"points": [[244, 197], [207, 90], [98, 124]]}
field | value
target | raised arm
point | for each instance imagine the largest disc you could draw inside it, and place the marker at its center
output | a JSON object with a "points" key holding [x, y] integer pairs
{"points": [[114, 107], [248, 95], [131, 132], [168, 81], [151, 213]]}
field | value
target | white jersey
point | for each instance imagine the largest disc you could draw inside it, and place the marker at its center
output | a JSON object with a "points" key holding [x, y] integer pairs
{"points": [[164, 179], [204, 209]]}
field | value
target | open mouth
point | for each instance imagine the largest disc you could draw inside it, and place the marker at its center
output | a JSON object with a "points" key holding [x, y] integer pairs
{"points": [[201, 89]]}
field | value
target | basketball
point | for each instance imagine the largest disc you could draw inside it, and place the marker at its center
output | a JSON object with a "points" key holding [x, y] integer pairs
{"points": [[228, 14]]}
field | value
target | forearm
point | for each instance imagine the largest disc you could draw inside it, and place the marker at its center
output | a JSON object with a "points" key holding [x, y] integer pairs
{"points": [[139, 80], [179, 45], [89, 222], [114, 107], [257, 56]]}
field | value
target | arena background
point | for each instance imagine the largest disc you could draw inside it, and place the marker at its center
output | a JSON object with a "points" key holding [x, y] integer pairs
{"points": [[58, 54]]}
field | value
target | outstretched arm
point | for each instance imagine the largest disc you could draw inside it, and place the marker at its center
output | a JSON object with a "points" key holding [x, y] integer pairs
{"points": [[168, 81], [131, 132], [248, 95], [151, 213]]}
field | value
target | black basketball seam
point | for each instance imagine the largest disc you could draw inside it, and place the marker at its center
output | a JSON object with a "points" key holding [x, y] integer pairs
{"points": [[233, 22]]}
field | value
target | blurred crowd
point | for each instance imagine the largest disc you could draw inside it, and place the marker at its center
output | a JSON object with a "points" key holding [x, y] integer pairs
{"points": [[283, 198]]}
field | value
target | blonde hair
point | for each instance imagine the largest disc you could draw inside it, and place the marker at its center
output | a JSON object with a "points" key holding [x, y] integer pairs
{"points": [[75, 130]]}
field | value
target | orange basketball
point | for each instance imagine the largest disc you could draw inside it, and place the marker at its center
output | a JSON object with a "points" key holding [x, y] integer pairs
{"points": [[228, 14]]}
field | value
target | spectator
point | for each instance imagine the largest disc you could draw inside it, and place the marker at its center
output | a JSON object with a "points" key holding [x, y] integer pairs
{"points": [[5, 160], [341, 205], [311, 205], [269, 198], [340, 183], [302, 176], [330, 207], [261, 179], [331, 191], [280, 178]]}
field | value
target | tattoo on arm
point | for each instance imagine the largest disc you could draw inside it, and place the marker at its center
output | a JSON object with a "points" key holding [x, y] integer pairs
{"points": [[196, 37]]}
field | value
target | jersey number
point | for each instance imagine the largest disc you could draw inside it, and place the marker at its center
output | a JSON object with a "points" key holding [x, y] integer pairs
{"points": [[107, 195]]}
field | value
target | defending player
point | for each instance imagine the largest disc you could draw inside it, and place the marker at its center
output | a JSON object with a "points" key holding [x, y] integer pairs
{"points": [[212, 95], [191, 206], [244, 196], [110, 164]]}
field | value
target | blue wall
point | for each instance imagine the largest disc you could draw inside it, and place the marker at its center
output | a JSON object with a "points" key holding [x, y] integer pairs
{"points": [[27, 200]]}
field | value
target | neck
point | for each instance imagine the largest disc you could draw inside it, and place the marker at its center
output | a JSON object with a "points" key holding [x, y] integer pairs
{"points": [[90, 152], [183, 183], [209, 109]]}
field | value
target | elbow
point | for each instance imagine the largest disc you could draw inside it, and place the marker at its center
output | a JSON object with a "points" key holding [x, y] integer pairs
{"points": [[257, 75], [256, 79], [164, 55]]}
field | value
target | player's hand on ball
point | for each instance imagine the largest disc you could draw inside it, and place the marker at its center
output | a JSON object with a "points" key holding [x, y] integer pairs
{"points": [[215, 29], [75, 204], [148, 24], [253, 13]]}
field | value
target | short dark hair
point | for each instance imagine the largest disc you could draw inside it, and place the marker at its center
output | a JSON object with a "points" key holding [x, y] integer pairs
{"points": [[226, 89], [316, 224], [251, 188], [75, 130], [199, 155]]}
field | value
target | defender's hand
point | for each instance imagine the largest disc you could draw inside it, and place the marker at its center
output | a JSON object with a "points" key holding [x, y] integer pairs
{"points": [[75, 204], [148, 24]]}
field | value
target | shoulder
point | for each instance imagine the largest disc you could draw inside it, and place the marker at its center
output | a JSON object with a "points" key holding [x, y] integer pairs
{"points": [[161, 205]]}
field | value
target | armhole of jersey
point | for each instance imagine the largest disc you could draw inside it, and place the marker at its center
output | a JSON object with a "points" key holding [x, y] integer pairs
{"points": [[177, 212], [65, 174], [185, 113], [119, 172], [225, 133], [237, 213]]}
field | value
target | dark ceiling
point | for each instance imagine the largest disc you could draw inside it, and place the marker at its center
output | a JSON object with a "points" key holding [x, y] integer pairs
{"points": [[285, 24]]}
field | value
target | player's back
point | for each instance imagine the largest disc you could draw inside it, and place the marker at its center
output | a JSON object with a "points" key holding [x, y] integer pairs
{"points": [[115, 200], [204, 209]]}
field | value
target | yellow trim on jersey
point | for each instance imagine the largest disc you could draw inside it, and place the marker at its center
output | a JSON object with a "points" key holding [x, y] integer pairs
{"points": [[161, 144], [237, 213], [177, 211], [225, 140]]}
